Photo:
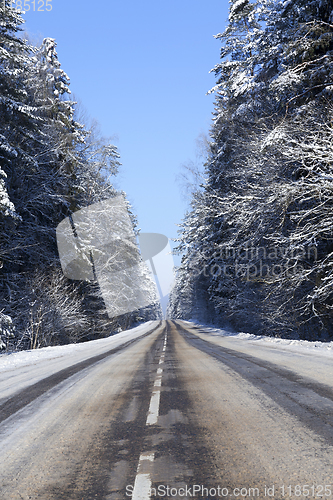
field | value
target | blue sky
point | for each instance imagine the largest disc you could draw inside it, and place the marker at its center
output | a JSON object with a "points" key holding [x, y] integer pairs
{"points": [[141, 69]]}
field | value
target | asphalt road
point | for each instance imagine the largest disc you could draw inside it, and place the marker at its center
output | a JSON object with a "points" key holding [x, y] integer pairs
{"points": [[174, 414]]}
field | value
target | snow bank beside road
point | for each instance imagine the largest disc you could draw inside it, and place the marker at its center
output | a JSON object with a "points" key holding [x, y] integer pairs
{"points": [[20, 370], [63, 356], [301, 346], [310, 360]]}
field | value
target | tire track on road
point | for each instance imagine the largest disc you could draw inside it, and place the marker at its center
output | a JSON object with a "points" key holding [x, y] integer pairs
{"points": [[310, 402]]}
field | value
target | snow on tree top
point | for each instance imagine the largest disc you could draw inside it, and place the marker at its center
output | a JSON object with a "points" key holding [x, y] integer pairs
{"points": [[236, 7]]}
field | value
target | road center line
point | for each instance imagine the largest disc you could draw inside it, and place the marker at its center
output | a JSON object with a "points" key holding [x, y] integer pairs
{"points": [[154, 408], [155, 398], [142, 483], [158, 382]]}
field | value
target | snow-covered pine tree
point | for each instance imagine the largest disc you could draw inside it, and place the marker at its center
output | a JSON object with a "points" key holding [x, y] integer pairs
{"points": [[297, 68], [297, 44], [14, 110], [238, 66], [235, 116], [268, 186], [17, 121], [50, 166]]}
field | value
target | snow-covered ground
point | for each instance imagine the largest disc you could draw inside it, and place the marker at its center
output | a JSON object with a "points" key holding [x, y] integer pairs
{"points": [[311, 360], [301, 346], [24, 368]]}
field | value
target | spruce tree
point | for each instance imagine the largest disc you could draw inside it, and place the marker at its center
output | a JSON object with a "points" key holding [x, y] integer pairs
{"points": [[268, 177]]}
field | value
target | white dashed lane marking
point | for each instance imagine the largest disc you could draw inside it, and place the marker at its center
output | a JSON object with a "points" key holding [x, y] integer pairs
{"points": [[142, 484]]}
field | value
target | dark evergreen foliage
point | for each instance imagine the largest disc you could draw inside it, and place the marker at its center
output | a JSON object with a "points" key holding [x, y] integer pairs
{"points": [[50, 167], [260, 235]]}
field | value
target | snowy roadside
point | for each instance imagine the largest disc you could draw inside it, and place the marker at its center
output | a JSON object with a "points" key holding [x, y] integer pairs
{"points": [[301, 346], [76, 352], [310, 360]]}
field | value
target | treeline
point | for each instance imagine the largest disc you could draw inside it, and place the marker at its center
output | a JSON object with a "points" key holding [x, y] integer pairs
{"points": [[50, 167], [257, 243]]}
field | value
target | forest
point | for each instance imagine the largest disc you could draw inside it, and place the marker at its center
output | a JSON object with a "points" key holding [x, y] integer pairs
{"points": [[257, 241], [51, 166]]}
